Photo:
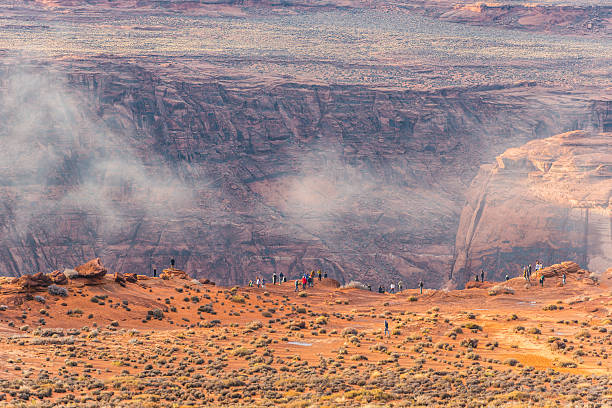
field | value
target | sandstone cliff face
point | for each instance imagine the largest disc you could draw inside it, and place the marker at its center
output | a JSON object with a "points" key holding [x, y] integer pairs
{"points": [[549, 200], [244, 180]]}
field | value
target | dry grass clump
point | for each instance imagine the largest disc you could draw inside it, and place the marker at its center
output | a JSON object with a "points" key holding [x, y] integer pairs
{"points": [[349, 331], [238, 299]]}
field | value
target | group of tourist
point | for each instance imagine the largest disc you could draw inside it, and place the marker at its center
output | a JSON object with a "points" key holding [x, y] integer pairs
{"points": [[308, 279], [259, 282], [528, 270], [392, 287]]}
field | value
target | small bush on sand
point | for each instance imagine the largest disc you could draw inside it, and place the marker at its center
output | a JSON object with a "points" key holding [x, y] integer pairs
{"points": [[242, 352], [511, 362], [349, 331], [57, 291]]}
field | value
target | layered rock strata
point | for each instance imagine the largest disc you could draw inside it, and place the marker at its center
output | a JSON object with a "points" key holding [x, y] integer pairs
{"points": [[548, 200]]}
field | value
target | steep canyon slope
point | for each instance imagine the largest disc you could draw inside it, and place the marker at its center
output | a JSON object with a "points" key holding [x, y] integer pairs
{"points": [[244, 138], [547, 200], [360, 182]]}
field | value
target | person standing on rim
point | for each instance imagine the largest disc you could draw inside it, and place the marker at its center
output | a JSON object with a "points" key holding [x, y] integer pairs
{"points": [[421, 286], [482, 275], [172, 263]]}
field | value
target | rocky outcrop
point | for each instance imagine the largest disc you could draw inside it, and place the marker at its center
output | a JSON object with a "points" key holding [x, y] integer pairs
{"points": [[549, 200], [173, 273], [57, 277], [567, 268], [36, 281], [91, 270], [130, 277]]}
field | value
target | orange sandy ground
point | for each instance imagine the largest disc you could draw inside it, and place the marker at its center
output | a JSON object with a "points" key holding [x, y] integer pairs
{"points": [[413, 318]]}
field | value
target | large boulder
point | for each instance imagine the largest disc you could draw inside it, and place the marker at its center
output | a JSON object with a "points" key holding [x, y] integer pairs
{"points": [[119, 278], [58, 277], [557, 270], [92, 269], [130, 277], [173, 273]]}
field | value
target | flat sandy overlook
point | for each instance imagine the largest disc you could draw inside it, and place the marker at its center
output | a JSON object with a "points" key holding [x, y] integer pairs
{"points": [[101, 340]]}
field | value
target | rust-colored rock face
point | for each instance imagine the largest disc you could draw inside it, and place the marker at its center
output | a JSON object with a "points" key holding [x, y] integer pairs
{"points": [[548, 200], [92, 269], [362, 183], [33, 282]]}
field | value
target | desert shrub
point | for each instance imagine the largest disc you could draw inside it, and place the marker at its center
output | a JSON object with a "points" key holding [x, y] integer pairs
{"points": [[413, 298], [156, 313], [242, 352], [472, 356], [303, 294], [584, 333], [473, 343], [358, 357], [355, 285], [255, 325], [534, 330], [297, 325], [57, 291], [473, 326], [511, 362], [321, 320], [349, 331], [566, 364], [238, 299], [206, 309], [379, 347]]}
